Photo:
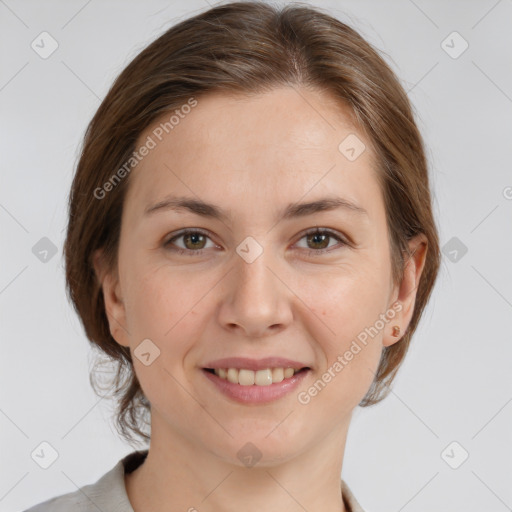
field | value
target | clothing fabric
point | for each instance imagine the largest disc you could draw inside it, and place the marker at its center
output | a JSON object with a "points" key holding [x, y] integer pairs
{"points": [[108, 494]]}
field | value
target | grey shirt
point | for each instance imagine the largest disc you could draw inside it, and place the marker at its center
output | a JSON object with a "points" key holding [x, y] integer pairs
{"points": [[108, 494]]}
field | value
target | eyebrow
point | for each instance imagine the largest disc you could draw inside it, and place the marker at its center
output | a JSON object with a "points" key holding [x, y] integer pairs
{"points": [[293, 210]]}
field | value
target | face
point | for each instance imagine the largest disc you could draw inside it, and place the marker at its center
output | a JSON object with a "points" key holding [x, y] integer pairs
{"points": [[254, 282]]}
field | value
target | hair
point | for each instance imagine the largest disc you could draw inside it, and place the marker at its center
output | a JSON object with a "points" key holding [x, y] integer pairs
{"points": [[245, 48]]}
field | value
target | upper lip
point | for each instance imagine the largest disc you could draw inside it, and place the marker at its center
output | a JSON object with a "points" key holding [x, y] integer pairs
{"points": [[255, 364]]}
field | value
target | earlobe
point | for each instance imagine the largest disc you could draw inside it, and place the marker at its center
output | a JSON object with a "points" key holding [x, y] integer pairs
{"points": [[112, 297]]}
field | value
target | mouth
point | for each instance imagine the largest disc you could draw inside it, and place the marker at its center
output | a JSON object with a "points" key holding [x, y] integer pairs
{"points": [[253, 388], [263, 377]]}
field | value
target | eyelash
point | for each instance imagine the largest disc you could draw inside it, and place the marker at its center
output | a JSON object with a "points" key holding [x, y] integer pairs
{"points": [[310, 252]]}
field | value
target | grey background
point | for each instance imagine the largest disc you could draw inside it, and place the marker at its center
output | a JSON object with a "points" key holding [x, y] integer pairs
{"points": [[456, 382]]}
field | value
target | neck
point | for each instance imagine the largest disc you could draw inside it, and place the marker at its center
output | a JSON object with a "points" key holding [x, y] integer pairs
{"points": [[180, 475]]}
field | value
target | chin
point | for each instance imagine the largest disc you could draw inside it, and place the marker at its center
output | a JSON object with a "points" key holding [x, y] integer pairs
{"points": [[259, 448]]}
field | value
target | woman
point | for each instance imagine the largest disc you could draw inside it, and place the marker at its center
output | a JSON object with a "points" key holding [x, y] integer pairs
{"points": [[251, 239]]}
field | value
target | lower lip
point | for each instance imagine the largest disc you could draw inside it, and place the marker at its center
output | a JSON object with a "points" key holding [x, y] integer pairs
{"points": [[256, 394]]}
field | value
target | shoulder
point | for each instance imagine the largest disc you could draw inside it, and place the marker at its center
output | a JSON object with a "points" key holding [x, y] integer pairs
{"points": [[71, 501], [107, 493]]}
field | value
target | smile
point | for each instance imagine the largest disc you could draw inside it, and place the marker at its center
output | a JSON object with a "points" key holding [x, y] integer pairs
{"points": [[246, 377], [255, 387]]}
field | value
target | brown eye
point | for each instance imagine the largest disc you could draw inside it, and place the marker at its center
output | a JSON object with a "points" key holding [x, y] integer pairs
{"points": [[193, 242], [318, 241]]}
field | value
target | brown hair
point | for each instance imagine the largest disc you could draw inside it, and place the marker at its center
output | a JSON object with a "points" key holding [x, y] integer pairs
{"points": [[244, 47]]}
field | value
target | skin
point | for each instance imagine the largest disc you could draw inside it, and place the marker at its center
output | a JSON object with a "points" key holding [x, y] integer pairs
{"points": [[253, 156]]}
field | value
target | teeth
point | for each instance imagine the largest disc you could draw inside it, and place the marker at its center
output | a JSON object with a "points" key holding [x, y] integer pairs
{"points": [[259, 378], [277, 374]]}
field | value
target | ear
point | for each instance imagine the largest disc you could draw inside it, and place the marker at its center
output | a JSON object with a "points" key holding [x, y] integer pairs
{"points": [[406, 292], [114, 305]]}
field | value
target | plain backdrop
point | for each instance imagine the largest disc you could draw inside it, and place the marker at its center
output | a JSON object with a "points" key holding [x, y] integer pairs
{"points": [[453, 396]]}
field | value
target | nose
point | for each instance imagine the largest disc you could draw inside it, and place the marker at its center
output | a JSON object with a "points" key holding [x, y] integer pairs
{"points": [[256, 300]]}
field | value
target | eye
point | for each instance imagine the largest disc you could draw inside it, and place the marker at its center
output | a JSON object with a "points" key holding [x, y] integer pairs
{"points": [[194, 242], [319, 238]]}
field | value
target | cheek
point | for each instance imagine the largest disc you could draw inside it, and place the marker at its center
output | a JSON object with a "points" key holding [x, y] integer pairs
{"points": [[166, 306], [160, 308], [348, 308], [346, 302], [161, 301]]}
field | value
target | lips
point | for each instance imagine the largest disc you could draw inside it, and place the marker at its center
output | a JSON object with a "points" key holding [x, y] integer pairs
{"points": [[255, 364], [256, 394]]}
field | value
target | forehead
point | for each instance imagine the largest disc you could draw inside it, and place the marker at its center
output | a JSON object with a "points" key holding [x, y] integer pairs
{"points": [[276, 147]]}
